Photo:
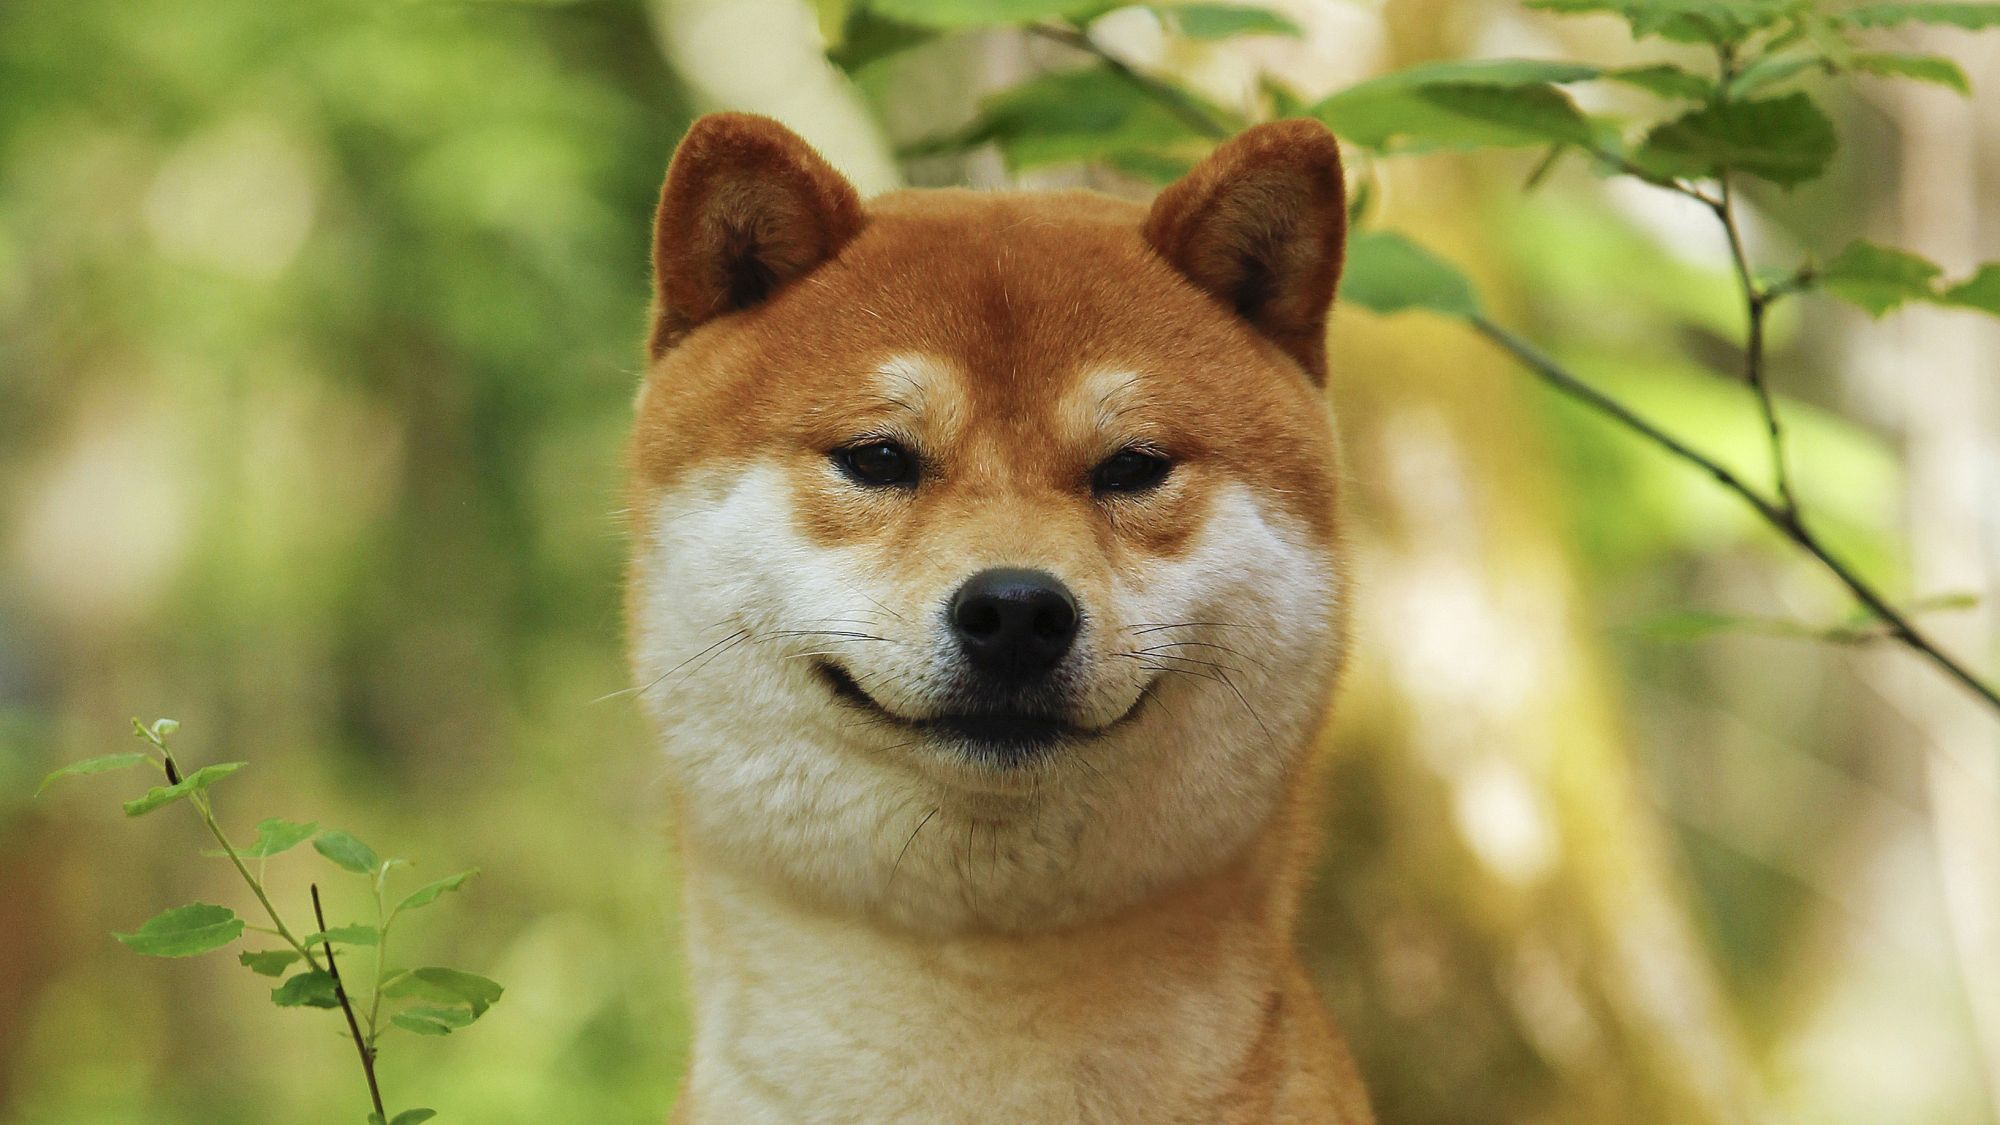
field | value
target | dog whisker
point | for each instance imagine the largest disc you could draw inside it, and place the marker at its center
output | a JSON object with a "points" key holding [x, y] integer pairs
{"points": [[898, 865]]}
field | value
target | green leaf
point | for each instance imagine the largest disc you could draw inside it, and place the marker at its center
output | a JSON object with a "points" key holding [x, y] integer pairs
{"points": [[414, 1117], [1485, 72], [1387, 273], [1220, 21], [313, 988], [428, 893], [1934, 69], [1981, 291], [275, 836], [1877, 278], [1665, 80], [870, 38], [1785, 140], [952, 15], [1972, 17], [450, 986], [345, 935], [433, 1021], [1495, 102], [94, 765], [1685, 21], [347, 851], [192, 783], [1773, 69], [185, 931], [1079, 115], [268, 964]]}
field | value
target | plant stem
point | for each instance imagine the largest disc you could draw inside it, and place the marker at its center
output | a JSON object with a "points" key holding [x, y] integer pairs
{"points": [[1786, 521], [1757, 302], [1172, 98], [366, 1051], [201, 805]]}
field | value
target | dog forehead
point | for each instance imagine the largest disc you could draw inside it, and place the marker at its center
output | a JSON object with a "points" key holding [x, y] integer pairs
{"points": [[1022, 293]]}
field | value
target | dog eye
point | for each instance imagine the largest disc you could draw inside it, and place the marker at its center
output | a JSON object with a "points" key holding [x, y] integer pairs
{"points": [[1129, 470], [878, 463]]}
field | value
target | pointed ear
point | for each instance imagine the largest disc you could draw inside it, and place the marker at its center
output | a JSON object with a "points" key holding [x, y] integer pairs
{"points": [[1261, 225], [747, 208]]}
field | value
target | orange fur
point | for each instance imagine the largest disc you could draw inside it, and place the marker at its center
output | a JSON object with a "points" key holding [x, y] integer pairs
{"points": [[1046, 330]]}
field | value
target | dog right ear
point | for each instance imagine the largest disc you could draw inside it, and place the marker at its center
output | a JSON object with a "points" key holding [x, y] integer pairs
{"points": [[748, 207]]}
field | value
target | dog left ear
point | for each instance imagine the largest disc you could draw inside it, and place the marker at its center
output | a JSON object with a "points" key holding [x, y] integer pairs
{"points": [[748, 207], [1261, 225]]}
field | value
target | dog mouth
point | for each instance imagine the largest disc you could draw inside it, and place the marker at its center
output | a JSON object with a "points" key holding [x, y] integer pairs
{"points": [[1009, 735]]}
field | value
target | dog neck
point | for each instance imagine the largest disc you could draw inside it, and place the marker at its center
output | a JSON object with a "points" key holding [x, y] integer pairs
{"points": [[1156, 1014]]}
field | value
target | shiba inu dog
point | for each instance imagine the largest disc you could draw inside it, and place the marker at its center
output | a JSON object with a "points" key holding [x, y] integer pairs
{"points": [[984, 596]]}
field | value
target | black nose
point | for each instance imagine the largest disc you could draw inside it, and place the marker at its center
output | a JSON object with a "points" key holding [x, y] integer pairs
{"points": [[1013, 624]]}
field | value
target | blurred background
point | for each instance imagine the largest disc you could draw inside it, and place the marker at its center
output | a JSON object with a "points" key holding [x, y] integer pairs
{"points": [[319, 325]]}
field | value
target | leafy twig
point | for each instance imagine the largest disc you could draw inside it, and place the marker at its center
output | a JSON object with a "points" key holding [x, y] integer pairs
{"points": [[366, 1050], [156, 735], [1773, 513], [449, 998]]}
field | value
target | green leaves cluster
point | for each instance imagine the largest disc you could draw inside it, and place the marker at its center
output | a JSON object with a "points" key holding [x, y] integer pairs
{"points": [[1879, 280], [428, 1000]]}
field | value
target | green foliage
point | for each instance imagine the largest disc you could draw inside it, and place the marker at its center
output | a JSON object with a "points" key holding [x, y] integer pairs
{"points": [[427, 894], [272, 963], [162, 795], [407, 1117], [452, 998], [313, 988], [276, 836], [447, 986], [959, 14], [1981, 291], [1923, 68], [1387, 273], [102, 764], [1785, 140], [1499, 103], [185, 931], [433, 1021], [347, 851], [1665, 80], [1074, 115], [867, 38], [1220, 21], [1879, 279], [1686, 21], [1972, 17]]}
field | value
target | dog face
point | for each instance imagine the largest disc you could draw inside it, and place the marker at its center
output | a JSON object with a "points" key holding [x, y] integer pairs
{"points": [[983, 565]]}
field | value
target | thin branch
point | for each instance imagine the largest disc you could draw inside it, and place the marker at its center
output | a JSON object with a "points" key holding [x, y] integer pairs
{"points": [[1757, 303], [353, 1026], [1172, 98], [1785, 521]]}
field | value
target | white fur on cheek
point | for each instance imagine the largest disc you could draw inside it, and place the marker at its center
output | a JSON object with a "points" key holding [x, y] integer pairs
{"points": [[785, 784]]}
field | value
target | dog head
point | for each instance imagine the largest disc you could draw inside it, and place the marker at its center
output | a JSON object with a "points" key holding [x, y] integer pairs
{"points": [[983, 571]]}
